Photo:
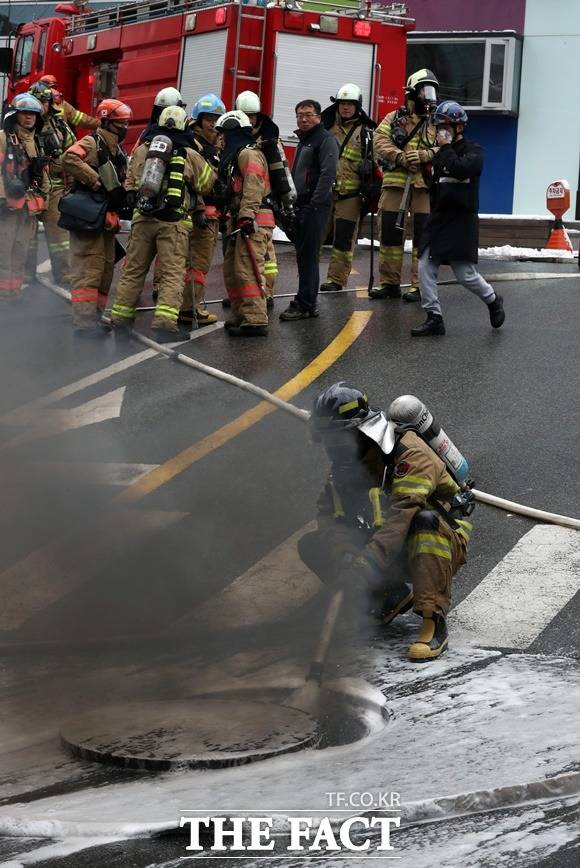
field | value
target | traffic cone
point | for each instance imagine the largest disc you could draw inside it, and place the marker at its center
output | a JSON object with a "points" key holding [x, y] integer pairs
{"points": [[558, 238]]}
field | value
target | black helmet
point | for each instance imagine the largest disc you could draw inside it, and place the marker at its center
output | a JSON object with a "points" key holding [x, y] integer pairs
{"points": [[340, 407]]}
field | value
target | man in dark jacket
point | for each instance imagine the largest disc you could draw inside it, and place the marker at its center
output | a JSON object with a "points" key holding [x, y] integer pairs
{"points": [[451, 234], [314, 173]]}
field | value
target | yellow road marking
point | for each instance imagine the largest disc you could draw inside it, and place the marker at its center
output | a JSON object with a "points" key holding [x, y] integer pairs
{"points": [[362, 292], [176, 465], [354, 271]]}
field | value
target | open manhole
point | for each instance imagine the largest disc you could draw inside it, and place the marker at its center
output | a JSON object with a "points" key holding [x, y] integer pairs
{"points": [[217, 732]]}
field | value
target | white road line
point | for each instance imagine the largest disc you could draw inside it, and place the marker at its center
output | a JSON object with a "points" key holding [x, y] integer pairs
{"points": [[523, 593]]}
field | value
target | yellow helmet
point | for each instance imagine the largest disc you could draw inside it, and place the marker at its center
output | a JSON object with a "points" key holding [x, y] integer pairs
{"points": [[173, 117]]}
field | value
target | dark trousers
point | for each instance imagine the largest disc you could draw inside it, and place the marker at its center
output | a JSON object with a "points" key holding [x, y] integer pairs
{"points": [[310, 233]]}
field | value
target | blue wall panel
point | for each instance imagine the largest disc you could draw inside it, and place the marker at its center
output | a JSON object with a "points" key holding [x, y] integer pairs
{"points": [[497, 135]]}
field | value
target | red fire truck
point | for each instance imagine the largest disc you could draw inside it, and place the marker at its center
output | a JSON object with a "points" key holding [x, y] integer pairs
{"points": [[285, 51]]}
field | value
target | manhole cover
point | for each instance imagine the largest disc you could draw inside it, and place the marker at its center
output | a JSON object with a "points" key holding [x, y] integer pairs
{"points": [[200, 733]]}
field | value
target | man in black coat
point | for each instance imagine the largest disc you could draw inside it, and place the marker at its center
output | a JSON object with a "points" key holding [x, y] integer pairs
{"points": [[314, 173], [451, 234]]}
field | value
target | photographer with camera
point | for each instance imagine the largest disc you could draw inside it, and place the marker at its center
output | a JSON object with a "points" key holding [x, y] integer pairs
{"points": [[404, 144]]}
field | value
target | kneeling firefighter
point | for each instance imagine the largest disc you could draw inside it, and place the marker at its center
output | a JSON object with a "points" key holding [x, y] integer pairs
{"points": [[165, 175], [23, 189], [98, 163], [244, 172], [391, 511]]}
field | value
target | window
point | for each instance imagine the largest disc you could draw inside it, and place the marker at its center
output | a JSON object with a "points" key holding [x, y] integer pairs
{"points": [[479, 71], [23, 61], [41, 49]]}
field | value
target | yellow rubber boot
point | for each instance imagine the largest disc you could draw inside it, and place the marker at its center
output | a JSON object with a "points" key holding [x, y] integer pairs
{"points": [[432, 641]]}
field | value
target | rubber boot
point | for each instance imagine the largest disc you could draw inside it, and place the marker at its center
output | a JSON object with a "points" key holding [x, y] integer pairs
{"points": [[432, 641], [396, 601], [413, 295], [248, 331], [226, 302], [433, 325], [385, 290], [496, 312], [203, 316], [331, 286], [169, 336]]}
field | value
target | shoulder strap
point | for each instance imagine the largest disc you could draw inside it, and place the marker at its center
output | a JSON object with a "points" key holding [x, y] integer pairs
{"points": [[347, 139]]}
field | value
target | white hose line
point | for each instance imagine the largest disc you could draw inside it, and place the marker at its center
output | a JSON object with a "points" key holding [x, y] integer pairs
{"points": [[528, 511], [304, 416]]}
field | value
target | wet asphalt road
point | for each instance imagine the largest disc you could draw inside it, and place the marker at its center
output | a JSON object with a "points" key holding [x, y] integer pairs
{"points": [[509, 398]]}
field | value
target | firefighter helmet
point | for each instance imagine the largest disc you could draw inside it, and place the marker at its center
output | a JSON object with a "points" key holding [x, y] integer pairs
{"points": [[113, 110], [210, 104], [248, 102], [168, 96], [173, 117], [419, 79], [49, 80], [26, 102], [450, 112], [348, 92], [42, 91], [233, 120], [343, 407]]}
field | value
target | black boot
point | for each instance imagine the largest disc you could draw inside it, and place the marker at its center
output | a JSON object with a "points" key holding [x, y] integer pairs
{"points": [[496, 312], [226, 302], [396, 601], [432, 640], [170, 336], [248, 331], [385, 290], [433, 325], [331, 286], [413, 295]]}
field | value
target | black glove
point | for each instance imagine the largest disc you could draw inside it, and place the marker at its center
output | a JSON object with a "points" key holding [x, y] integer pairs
{"points": [[129, 205], [247, 226], [199, 219]]}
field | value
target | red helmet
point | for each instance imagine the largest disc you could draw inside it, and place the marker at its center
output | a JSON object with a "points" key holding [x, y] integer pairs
{"points": [[114, 110], [49, 80]]}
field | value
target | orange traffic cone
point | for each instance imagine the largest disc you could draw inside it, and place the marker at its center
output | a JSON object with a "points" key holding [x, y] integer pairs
{"points": [[558, 238]]}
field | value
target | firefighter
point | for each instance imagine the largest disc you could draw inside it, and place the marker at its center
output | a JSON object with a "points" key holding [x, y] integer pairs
{"points": [[244, 170], [387, 515], [56, 136], [23, 189], [405, 144], [164, 175], [205, 217], [263, 129], [351, 127], [93, 253], [73, 116], [165, 97], [452, 231]]}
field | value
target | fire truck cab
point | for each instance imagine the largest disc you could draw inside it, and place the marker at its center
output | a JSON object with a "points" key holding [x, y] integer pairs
{"points": [[283, 50]]}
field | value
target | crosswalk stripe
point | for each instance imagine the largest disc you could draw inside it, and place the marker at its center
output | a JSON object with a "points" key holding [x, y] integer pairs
{"points": [[523, 593]]}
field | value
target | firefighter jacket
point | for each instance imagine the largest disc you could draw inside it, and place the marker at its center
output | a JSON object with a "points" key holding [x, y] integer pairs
{"points": [[21, 160], [187, 175], [77, 118], [249, 183], [209, 150], [56, 137], [83, 159], [382, 495], [392, 157]]}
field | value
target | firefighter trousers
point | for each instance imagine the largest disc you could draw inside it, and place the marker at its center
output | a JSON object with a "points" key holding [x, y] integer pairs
{"points": [[92, 266], [244, 291], [345, 222], [393, 239], [150, 238], [16, 232], [202, 244], [57, 239], [432, 555]]}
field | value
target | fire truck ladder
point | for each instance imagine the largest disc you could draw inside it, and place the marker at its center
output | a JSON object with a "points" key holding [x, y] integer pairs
{"points": [[248, 40]]}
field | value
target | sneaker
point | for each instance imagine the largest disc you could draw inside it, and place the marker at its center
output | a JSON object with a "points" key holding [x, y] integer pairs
{"points": [[385, 290], [247, 331], [433, 325], [294, 311], [433, 639], [396, 602], [331, 286], [496, 312], [413, 295]]}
